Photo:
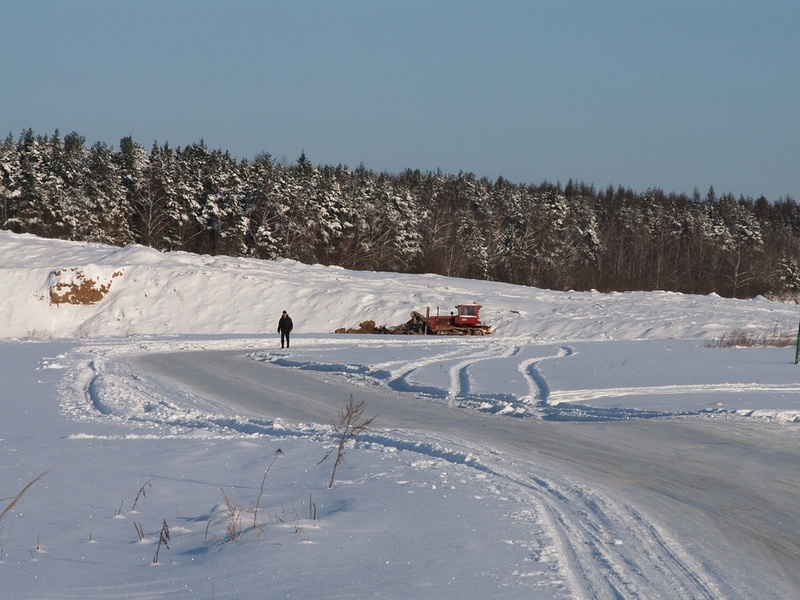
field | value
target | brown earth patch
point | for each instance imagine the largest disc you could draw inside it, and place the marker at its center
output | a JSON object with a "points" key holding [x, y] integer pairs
{"points": [[77, 288]]}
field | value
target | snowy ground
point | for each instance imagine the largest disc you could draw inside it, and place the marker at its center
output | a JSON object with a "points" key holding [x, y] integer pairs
{"points": [[593, 446]]}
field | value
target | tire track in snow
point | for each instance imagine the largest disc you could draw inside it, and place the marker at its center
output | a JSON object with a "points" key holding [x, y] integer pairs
{"points": [[456, 382], [574, 396], [539, 389], [609, 550], [606, 548], [460, 383]]}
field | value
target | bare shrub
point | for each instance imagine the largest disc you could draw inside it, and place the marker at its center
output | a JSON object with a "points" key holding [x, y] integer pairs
{"points": [[349, 427]]}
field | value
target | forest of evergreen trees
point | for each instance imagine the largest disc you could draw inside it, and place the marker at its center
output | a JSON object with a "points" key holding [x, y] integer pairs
{"points": [[546, 235]]}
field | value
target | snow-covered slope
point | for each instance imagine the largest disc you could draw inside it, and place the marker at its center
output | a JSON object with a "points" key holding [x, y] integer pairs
{"points": [[592, 447], [153, 293]]}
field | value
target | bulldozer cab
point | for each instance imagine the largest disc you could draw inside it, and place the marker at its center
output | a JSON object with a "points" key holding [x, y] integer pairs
{"points": [[468, 315]]}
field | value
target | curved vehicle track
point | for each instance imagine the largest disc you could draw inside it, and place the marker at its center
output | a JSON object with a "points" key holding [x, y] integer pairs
{"points": [[621, 500]]}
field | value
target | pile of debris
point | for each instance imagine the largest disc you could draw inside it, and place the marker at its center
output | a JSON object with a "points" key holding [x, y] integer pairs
{"points": [[464, 322], [415, 326]]}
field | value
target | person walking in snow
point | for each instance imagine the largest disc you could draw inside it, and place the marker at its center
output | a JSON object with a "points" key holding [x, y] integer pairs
{"points": [[284, 328]]}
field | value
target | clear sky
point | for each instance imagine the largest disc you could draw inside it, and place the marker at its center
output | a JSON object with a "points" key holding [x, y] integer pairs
{"points": [[673, 94]]}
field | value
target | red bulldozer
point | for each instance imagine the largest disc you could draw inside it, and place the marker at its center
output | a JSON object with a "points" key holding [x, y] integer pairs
{"points": [[466, 321]]}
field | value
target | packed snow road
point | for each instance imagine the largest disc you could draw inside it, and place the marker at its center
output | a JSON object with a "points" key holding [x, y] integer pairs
{"points": [[694, 506]]}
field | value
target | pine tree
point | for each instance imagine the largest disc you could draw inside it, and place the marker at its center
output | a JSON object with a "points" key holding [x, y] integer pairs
{"points": [[152, 206], [261, 207], [10, 180], [35, 211], [107, 199], [131, 166]]}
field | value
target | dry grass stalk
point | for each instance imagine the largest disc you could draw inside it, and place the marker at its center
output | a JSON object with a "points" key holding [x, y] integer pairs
{"points": [[278, 452], [17, 498], [739, 338], [141, 494], [163, 540], [234, 529]]}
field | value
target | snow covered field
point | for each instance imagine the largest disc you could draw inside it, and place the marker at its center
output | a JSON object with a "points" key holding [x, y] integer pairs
{"points": [[592, 447]]}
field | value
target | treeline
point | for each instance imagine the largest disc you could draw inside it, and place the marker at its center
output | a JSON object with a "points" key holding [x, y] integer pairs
{"points": [[548, 235]]}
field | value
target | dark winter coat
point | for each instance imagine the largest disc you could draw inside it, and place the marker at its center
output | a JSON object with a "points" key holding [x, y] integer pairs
{"points": [[285, 324]]}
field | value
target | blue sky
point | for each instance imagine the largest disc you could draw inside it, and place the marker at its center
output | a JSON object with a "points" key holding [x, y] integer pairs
{"points": [[675, 95]]}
